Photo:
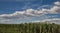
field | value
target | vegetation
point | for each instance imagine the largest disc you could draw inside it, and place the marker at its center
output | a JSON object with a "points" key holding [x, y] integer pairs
{"points": [[30, 28]]}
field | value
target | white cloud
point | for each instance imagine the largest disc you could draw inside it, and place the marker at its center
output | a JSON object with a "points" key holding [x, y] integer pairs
{"points": [[53, 20], [55, 9], [57, 3], [21, 14]]}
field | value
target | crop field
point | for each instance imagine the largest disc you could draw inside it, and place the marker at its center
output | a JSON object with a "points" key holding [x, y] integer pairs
{"points": [[30, 28]]}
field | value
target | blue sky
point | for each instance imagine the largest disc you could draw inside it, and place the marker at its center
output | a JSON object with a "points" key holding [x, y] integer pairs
{"points": [[17, 11], [10, 6]]}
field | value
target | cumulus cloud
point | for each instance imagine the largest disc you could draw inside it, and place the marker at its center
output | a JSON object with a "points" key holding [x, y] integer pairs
{"points": [[57, 3], [23, 14], [55, 9]]}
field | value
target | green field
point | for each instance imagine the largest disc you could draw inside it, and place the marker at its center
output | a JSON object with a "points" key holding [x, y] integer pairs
{"points": [[30, 28]]}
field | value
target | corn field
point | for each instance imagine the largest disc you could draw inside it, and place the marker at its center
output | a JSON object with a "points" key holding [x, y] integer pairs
{"points": [[30, 28]]}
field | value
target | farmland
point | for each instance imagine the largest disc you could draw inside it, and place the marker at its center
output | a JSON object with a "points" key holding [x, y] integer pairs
{"points": [[30, 28]]}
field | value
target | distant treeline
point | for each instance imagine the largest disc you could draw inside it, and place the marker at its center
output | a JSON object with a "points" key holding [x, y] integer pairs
{"points": [[30, 28]]}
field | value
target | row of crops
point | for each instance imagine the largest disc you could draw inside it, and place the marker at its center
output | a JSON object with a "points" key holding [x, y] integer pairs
{"points": [[30, 28]]}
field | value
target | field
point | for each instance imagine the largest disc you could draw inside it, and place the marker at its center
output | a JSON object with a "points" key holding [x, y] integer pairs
{"points": [[30, 28]]}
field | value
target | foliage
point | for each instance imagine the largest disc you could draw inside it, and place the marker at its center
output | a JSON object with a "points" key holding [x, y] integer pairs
{"points": [[30, 28]]}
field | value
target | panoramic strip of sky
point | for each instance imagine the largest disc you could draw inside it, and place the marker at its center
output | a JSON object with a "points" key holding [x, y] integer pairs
{"points": [[21, 11]]}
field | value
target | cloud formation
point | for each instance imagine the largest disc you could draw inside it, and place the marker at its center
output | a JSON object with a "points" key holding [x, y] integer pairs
{"points": [[32, 12], [28, 14]]}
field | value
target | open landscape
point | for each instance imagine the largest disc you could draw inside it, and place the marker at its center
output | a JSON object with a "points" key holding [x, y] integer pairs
{"points": [[29, 16]]}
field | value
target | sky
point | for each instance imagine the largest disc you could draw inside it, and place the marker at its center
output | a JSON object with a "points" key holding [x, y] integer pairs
{"points": [[25, 11]]}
